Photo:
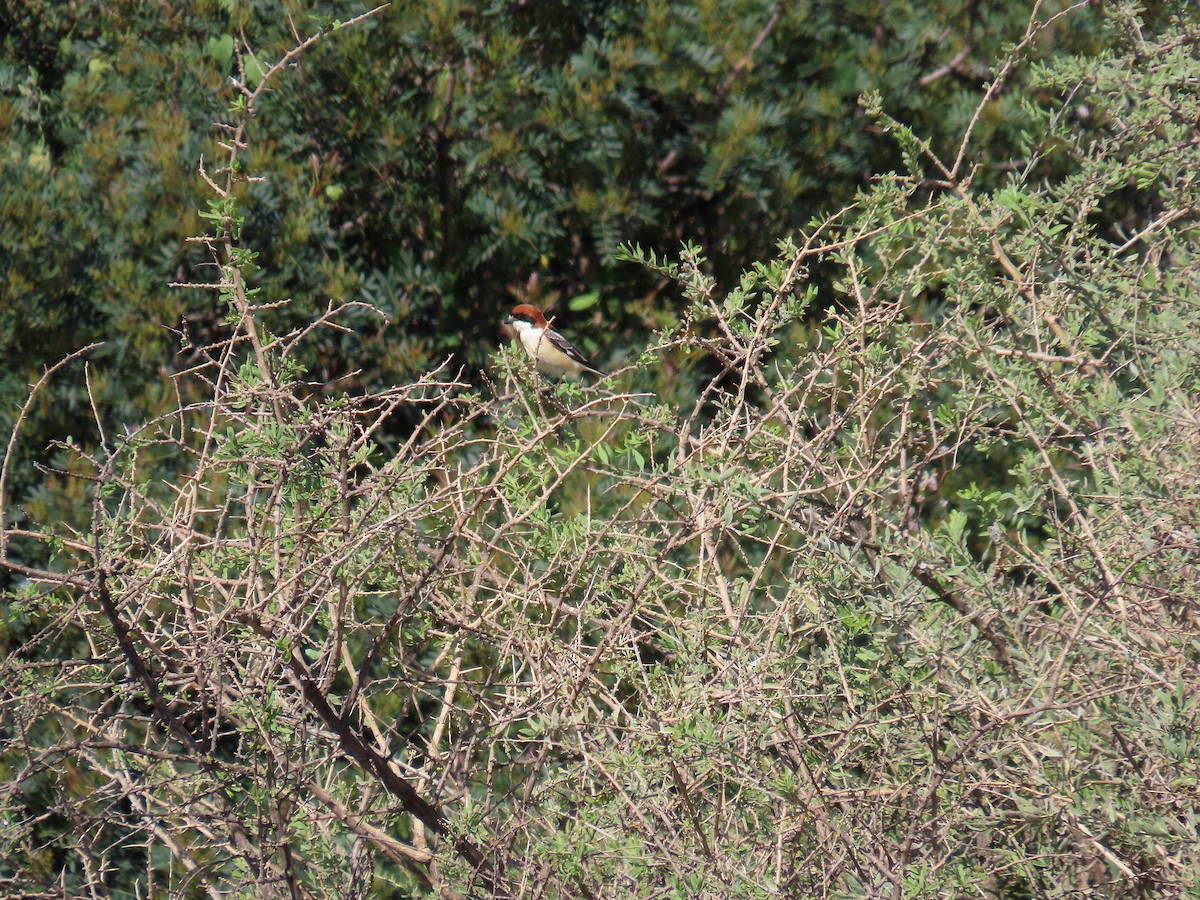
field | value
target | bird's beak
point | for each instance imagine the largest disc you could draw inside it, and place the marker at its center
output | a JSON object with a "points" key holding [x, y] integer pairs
{"points": [[507, 320]]}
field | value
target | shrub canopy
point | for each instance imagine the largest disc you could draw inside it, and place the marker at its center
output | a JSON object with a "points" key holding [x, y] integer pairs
{"points": [[871, 570]]}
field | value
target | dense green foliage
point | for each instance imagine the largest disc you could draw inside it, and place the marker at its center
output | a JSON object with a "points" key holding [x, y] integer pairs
{"points": [[875, 574]]}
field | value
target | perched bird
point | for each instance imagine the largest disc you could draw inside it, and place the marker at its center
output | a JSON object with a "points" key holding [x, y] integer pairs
{"points": [[553, 352]]}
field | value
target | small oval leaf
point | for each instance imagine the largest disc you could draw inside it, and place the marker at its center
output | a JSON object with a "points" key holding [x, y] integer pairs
{"points": [[583, 301]]}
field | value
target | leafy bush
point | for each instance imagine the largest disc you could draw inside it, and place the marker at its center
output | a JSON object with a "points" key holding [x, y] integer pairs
{"points": [[901, 600]]}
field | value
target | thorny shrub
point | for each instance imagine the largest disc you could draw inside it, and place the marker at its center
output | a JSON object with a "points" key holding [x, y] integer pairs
{"points": [[903, 601]]}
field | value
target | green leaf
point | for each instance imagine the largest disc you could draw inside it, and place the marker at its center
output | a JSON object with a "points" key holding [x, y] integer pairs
{"points": [[220, 49], [583, 301], [254, 71]]}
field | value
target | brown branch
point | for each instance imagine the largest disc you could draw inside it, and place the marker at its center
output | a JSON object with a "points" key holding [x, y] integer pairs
{"points": [[923, 574], [748, 57], [361, 752], [16, 430]]}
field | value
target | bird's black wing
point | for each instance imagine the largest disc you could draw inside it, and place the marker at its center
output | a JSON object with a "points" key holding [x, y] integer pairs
{"points": [[565, 346]]}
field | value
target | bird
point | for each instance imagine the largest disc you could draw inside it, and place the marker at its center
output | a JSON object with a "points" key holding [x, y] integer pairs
{"points": [[553, 353]]}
